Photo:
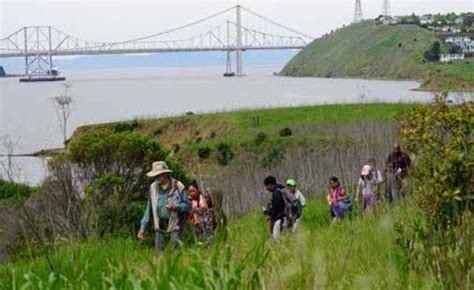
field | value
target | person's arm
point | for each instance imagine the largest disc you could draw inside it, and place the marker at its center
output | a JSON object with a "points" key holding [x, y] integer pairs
{"points": [[302, 199], [183, 206], [146, 216]]}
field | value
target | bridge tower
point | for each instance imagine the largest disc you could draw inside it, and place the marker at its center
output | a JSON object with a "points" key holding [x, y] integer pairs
{"points": [[238, 57], [358, 17], [386, 8], [38, 39]]}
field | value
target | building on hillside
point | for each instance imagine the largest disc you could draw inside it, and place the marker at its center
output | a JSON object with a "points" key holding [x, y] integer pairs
{"points": [[464, 42], [451, 57], [426, 19], [459, 21], [386, 20]]}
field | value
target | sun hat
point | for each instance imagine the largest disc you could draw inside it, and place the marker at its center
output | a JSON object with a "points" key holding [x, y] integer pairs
{"points": [[291, 182], [366, 170], [158, 168]]}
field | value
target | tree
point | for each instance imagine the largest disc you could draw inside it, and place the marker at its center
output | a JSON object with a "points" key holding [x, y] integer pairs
{"points": [[9, 145], [62, 104], [433, 54]]}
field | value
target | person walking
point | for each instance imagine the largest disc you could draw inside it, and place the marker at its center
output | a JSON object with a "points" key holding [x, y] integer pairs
{"points": [[366, 185], [167, 204], [378, 179], [396, 166], [199, 216], [276, 208], [299, 202]]}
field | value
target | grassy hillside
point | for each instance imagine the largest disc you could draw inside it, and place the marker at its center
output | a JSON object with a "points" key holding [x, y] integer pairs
{"points": [[191, 131], [361, 253], [366, 50]]}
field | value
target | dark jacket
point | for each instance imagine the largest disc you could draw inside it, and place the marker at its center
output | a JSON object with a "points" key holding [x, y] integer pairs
{"points": [[397, 161], [276, 210]]}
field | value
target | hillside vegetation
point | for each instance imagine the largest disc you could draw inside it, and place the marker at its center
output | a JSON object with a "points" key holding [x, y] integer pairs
{"points": [[367, 50]]}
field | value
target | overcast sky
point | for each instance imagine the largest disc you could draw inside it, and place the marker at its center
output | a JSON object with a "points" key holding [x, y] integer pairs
{"points": [[114, 21]]}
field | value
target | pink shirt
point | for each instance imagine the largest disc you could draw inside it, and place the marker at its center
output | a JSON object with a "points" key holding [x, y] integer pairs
{"points": [[337, 195], [198, 216]]}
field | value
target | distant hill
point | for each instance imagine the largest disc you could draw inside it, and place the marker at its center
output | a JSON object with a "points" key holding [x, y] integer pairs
{"points": [[365, 50]]}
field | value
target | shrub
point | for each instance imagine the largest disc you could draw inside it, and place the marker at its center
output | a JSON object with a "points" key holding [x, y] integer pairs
{"points": [[204, 152], [433, 54], [126, 126], [440, 137], [285, 132], [112, 167], [176, 148], [224, 154], [13, 193], [260, 138]]}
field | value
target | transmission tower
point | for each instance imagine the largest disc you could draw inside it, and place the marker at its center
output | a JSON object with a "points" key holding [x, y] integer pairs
{"points": [[386, 8], [358, 12]]}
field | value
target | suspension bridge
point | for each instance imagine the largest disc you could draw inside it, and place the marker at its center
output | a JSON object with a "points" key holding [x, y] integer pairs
{"points": [[224, 31]]}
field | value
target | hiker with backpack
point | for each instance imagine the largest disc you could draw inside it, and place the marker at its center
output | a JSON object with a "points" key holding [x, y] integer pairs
{"points": [[296, 205], [396, 167], [338, 199], [366, 185], [214, 199], [275, 210], [199, 215], [377, 177], [167, 204]]}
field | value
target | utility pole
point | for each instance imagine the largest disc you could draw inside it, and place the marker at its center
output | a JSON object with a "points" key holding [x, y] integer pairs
{"points": [[239, 40], [358, 17]]}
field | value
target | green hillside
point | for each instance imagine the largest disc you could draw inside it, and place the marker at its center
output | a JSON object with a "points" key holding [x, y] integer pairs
{"points": [[367, 50]]}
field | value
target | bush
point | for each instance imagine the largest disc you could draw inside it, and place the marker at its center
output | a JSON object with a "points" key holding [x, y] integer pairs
{"points": [[126, 126], [112, 167], [260, 138], [13, 193], [176, 148], [204, 152], [285, 132], [224, 154], [440, 137], [433, 54]]}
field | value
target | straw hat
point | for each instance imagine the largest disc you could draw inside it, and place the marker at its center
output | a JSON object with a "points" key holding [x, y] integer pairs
{"points": [[158, 168], [366, 170]]}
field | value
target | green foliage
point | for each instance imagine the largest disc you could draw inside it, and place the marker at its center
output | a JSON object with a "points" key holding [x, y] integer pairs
{"points": [[12, 193], [260, 138], [365, 50], [224, 154], [116, 165], [274, 156], [433, 54], [204, 152], [126, 126], [361, 254], [285, 132], [440, 137]]}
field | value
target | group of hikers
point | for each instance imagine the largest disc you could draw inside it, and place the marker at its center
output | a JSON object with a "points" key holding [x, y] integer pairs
{"points": [[175, 208]]}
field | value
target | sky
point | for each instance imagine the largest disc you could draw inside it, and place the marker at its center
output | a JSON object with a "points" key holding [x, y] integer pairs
{"points": [[120, 20]]}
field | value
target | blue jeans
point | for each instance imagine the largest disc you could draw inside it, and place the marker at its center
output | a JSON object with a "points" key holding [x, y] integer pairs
{"points": [[340, 208]]}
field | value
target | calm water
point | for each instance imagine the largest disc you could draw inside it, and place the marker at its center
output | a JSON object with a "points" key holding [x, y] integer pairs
{"points": [[27, 113]]}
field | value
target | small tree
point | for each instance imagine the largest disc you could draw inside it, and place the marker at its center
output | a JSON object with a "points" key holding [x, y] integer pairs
{"points": [[9, 168], [62, 104]]}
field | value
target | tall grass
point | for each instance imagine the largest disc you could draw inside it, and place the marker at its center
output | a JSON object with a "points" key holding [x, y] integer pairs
{"points": [[358, 253]]}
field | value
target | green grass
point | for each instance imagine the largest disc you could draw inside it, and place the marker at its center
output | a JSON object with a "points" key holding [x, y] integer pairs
{"points": [[359, 253], [366, 50], [239, 125]]}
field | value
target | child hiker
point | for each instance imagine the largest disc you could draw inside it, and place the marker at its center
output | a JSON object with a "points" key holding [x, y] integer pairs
{"points": [[297, 205], [366, 185], [200, 215], [338, 199]]}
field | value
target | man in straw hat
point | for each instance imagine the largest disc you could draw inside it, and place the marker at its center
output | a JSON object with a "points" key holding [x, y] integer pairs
{"points": [[167, 203]]}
